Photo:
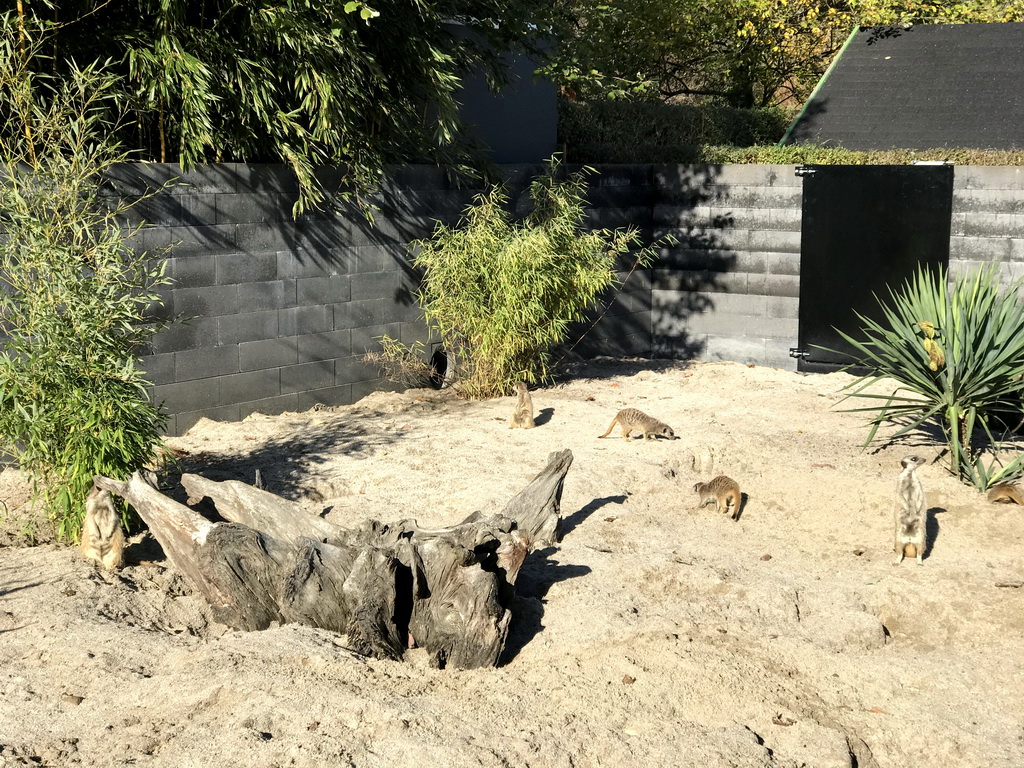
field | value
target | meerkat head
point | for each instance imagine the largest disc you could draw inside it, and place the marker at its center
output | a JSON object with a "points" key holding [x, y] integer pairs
{"points": [[698, 487], [667, 432], [912, 462]]}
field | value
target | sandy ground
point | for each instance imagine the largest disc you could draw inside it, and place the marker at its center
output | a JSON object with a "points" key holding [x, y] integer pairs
{"points": [[655, 634]]}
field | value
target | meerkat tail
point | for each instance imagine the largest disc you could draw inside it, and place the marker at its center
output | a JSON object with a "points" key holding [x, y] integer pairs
{"points": [[610, 428]]}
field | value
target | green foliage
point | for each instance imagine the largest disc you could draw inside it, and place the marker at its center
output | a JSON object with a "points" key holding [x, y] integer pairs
{"points": [[979, 332], [74, 295], [744, 53], [622, 131], [501, 292], [340, 83]]}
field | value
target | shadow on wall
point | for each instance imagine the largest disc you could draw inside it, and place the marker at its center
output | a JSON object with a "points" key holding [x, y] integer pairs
{"points": [[693, 269]]}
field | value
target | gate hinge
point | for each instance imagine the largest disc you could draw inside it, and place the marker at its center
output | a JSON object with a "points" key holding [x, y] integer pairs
{"points": [[797, 352], [805, 170]]}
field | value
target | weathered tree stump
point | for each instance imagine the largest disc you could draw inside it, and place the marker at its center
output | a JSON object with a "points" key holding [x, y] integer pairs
{"points": [[387, 587]]}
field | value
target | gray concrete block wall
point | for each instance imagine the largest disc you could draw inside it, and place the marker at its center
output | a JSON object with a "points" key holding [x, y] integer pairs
{"points": [[988, 220], [283, 310], [728, 288], [277, 312]]}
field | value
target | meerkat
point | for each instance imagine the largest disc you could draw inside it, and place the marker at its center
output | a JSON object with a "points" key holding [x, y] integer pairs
{"points": [[1006, 493], [724, 492], [522, 416], [102, 538], [911, 516], [630, 419]]}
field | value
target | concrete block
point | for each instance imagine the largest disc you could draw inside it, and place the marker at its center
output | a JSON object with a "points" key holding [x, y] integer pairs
{"points": [[367, 339], [352, 369], [206, 302], [268, 353], [299, 321], [775, 240], [739, 350], [206, 179], [988, 177], [358, 314], [266, 178], [251, 385], [251, 208], [246, 267], [783, 263], [180, 335], [205, 362], [158, 369], [782, 285], [375, 285], [303, 263], [412, 332], [325, 345], [273, 294], [979, 248], [307, 376], [776, 354], [968, 201], [182, 397], [339, 395], [787, 307], [249, 326], [202, 239], [994, 225], [616, 218], [326, 289], [787, 219], [1017, 250], [958, 223], [264, 238], [192, 271]]}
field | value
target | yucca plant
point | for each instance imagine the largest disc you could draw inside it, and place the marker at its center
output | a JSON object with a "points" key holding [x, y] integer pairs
{"points": [[958, 355]]}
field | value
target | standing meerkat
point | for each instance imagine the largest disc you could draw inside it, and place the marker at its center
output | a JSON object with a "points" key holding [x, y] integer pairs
{"points": [[911, 514], [724, 492], [522, 416], [1005, 493], [630, 419], [102, 539]]}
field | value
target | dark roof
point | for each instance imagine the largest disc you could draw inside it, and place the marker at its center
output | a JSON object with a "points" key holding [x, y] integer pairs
{"points": [[942, 85]]}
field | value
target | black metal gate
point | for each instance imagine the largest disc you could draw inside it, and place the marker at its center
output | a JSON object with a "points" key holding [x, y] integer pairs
{"points": [[865, 228]]}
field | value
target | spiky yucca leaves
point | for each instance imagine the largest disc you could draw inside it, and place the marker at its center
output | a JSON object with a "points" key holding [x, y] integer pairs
{"points": [[958, 355], [501, 293], [74, 296]]}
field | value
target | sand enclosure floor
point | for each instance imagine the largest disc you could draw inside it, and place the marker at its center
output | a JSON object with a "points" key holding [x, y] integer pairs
{"points": [[655, 634]]}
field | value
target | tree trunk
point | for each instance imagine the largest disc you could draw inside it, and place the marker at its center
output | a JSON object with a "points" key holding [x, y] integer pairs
{"points": [[387, 587]]}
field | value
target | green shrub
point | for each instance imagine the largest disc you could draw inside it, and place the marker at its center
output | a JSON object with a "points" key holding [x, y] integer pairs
{"points": [[619, 131], [75, 296], [501, 293], [958, 355]]}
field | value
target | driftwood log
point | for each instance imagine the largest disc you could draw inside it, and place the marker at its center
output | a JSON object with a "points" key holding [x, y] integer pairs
{"points": [[387, 586]]}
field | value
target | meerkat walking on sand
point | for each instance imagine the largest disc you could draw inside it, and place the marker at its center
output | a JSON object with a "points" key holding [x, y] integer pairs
{"points": [[724, 492], [102, 538], [632, 420], [522, 416], [911, 514]]}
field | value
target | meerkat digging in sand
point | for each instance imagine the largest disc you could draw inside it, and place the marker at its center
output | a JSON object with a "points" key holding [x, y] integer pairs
{"points": [[102, 539], [724, 492], [632, 420], [522, 416], [911, 515]]}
